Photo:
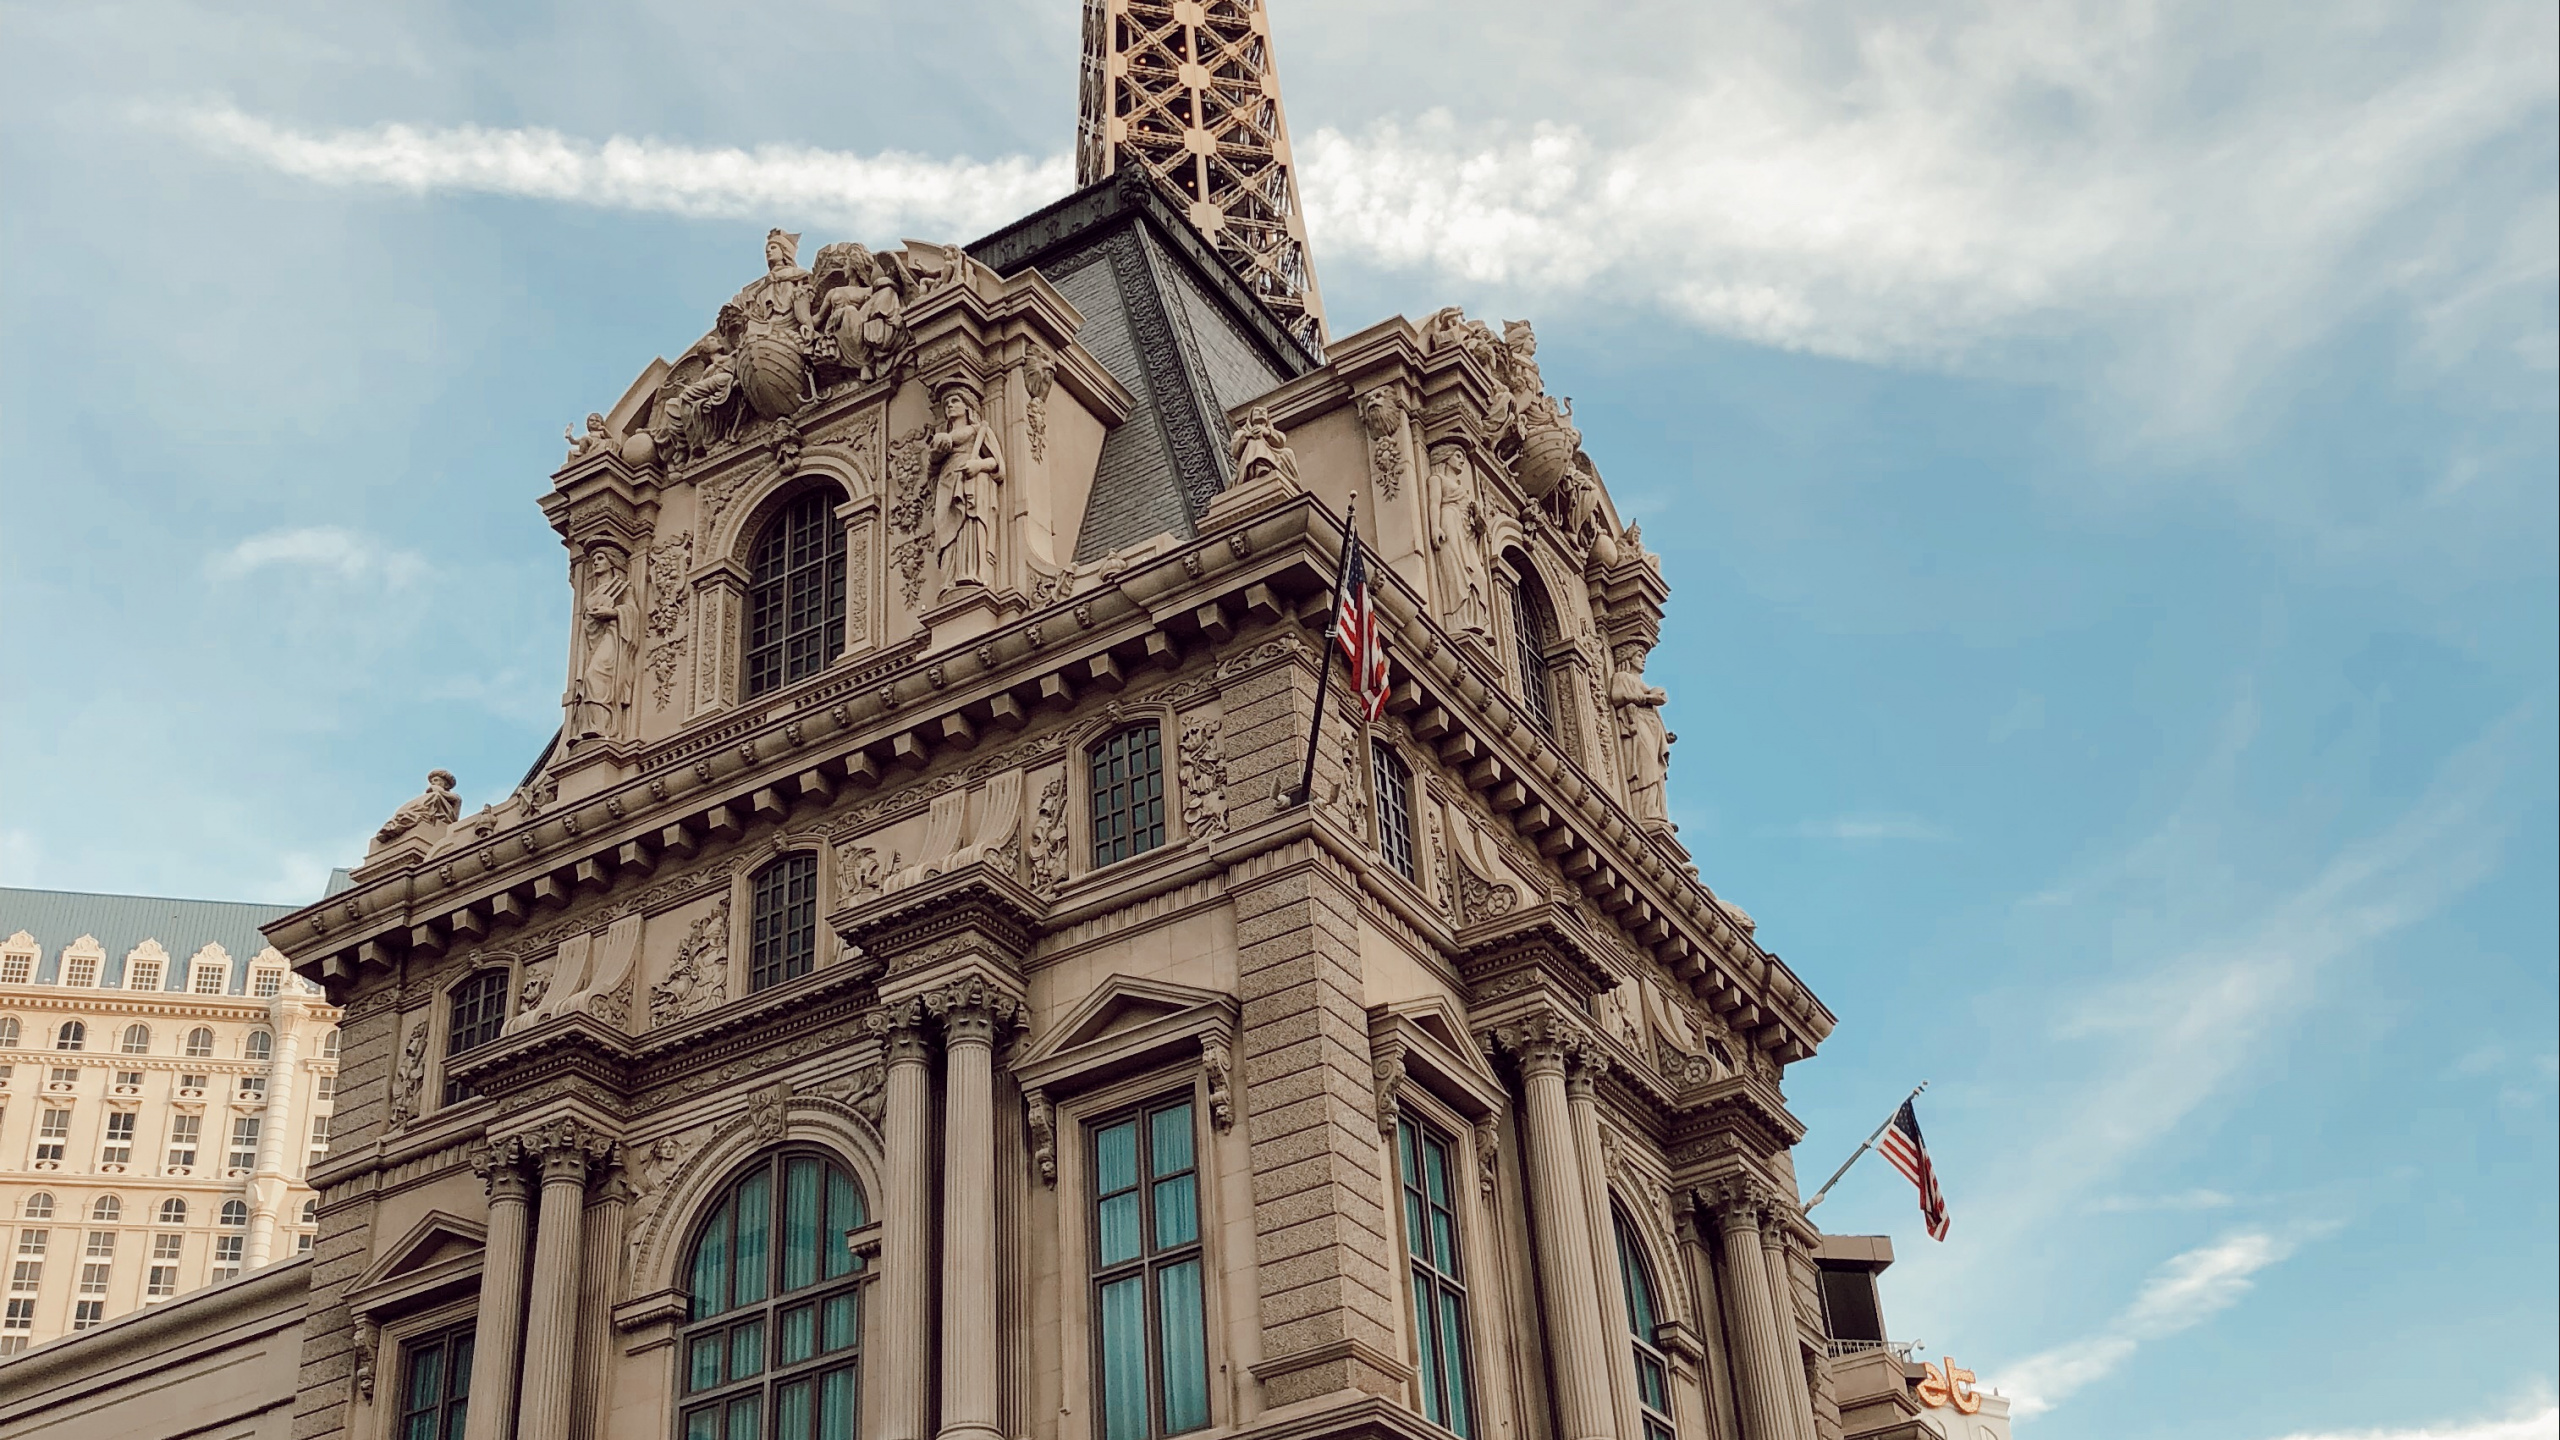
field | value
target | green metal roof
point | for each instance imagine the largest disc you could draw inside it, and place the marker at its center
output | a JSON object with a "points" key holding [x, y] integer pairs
{"points": [[120, 922]]}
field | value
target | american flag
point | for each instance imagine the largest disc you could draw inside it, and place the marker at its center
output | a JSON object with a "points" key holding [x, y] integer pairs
{"points": [[1355, 629], [1910, 1154]]}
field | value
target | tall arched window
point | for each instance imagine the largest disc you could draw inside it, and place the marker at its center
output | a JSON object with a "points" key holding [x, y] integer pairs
{"points": [[8, 1032], [200, 1043], [137, 1040], [329, 1044], [795, 599], [1653, 1377], [1128, 794], [772, 1344], [72, 1036], [475, 1014], [785, 932], [1533, 629], [258, 1046], [1395, 806]]}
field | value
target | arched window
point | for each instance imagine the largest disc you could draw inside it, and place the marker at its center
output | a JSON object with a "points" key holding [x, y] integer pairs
{"points": [[259, 1045], [173, 1211], [329, 1044], [475, 1014], [1395, 806], [8, 1032], [1128, 794], [772, 1345], [795, 600], [137, 1040], [311, 1212], [1533, 629], [235, 1215], [785, 933], [106, 1210], [200, 1043], [38, 1206], [1653, 1378], [72, 1036]]}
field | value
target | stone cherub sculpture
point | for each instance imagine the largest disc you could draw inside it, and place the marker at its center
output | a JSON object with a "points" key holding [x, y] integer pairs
{"points": [[862, 298], [968, 472], [1260, 449], [1644, 746], [596, 438], [428, 816]]}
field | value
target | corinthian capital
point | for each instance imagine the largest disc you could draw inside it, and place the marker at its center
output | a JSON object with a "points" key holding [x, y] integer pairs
{"points": [[973, 1011], [565, 1147], [903, 1029], [1542, 1041], [1736, 1201]]}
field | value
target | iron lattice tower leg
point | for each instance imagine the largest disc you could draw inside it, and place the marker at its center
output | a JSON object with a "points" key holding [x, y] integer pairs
{"points": [[1187, 89]]}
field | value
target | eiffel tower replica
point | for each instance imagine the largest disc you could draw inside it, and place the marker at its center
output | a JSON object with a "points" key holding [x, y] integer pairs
{"points": [[1187, 91]]}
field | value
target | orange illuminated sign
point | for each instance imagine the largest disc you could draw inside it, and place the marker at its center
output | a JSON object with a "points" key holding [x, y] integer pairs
{"points": [[1950, 1386]]}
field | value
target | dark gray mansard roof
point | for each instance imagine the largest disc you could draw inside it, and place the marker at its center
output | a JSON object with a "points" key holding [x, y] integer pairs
{"points": [[120, 922], [1170, 321]]}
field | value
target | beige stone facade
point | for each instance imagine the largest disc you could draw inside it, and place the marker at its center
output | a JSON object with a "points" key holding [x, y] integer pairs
{"points": [[160, 1102], [909, 998]]}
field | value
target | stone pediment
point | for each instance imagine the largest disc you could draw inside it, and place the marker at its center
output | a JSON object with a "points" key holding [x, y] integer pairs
{"points": [[1124, 1024], [441, 1252]]}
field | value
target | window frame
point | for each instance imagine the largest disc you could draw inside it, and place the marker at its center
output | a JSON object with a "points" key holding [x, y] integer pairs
{"points": [[829, 569], [454, 1092], [1414, 1132], [1392, 778], [1645, 1352], [448, 1409], [1155, 809], [765, 1315], [785, 965], [1151, 1259], [1534, 634]]}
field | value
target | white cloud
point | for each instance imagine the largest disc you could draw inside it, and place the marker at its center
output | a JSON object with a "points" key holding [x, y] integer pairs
{"points": [[2541, 1423], [322, 549], [1870, 828], [2191, 1288], [2198, 1199], [882, 194]]}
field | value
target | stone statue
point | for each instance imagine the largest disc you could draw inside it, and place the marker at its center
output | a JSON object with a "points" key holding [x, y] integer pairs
{"points": [[701, 382], [582, 446], [1644, 746], [1519, 363], [412, 1077], [428, 816], [968, 470], [609, 648], [1458, 535], [862, 299], [1260, 449], [774, 323]]}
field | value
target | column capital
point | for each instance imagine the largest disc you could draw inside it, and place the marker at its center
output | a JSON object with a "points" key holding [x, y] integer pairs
{"points": [[501, 1178], [1736, 1202], [1545, 1041], [904, 1030], [973, 1011]]}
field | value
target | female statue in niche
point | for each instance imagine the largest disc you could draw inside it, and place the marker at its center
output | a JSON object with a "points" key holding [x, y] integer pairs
{"points": [[1644, 746], [968, 469], [1458, 534], [609, 648]]}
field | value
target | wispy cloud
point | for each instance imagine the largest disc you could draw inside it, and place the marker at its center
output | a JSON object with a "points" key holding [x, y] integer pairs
{"points": [[2187, 1291], [882, 194], [2178, 1200], [1870, 828], [319, 549], [2533, 1423]]}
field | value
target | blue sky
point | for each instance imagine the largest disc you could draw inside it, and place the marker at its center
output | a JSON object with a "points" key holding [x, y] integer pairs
{"points": [[2105, 457]]}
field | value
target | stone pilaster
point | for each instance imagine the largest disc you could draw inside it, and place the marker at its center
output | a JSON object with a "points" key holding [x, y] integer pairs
{"points": [[1320, 1223], [1543, 1046], [1581, 1088], [1760, 1381], [1777, 1228], [268, 1194], [973, 1013], [901, 1407], [498, 1327], [601, 1267], [566, 1149]]}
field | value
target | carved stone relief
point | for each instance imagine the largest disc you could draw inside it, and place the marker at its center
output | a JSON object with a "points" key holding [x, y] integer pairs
{"points": [[1203, 766], [1039, 369], [410, 1081], [1048, 843], [1460, 537], [428, 816], [967, 465], [698, 977], [1259, 449], [1382, 415], [670, 603]]}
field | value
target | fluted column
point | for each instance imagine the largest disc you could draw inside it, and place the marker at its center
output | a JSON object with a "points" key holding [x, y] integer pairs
{"points": [[1782, 1317], [1582, 1098], [903, 1407], [498, 1328], [970, 1015], [551, 1320], [1568, 1288], [267, 1188], [604, 1231], [1760, 1384]]}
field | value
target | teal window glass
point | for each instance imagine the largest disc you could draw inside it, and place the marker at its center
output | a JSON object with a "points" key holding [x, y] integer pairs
{"points": [[1425, 1162], [1653, 1377], [435, 1385], [1150, 1309], [772, 1348]]}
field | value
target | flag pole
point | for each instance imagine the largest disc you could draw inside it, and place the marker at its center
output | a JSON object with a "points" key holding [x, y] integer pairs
{"points": [[1863, 1149], [1324, 676]]}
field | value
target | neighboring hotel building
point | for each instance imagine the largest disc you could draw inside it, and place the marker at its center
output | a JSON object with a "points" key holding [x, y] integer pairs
{"points": [[165, 1082]]}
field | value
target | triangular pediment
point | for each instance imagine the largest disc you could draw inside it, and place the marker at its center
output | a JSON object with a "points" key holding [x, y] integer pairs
{"points": [[1123, 1018], [437, 1242]]}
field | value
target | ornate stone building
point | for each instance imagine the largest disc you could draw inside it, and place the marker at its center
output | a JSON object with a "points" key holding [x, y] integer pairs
{"points": [[164, 1084], [902, 1000]]}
